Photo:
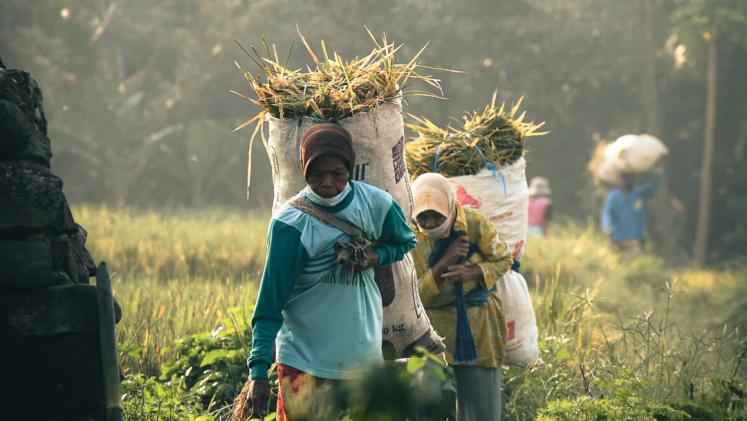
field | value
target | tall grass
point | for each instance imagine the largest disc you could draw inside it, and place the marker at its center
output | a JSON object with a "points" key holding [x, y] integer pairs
{"points": [[591, 352], [608, 328], [174, 273], [176, 244], [611, 327], [156, 313]]}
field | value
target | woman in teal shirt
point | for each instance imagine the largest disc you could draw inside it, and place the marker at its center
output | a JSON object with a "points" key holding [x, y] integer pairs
{"points": [[325, 319]]}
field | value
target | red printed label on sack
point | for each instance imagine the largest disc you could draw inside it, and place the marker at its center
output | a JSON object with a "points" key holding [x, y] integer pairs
{"points": [[503, 215], [510, 327], [517, 248], [465, 199]]}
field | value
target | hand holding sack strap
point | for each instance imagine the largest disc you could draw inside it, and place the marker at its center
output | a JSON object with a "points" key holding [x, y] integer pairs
{"points": [[348, 253]]}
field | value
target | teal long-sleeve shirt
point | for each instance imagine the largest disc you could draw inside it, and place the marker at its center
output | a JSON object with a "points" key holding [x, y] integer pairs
{"points": [[308, 305]]}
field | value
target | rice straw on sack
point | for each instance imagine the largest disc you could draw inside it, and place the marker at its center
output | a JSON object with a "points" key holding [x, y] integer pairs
{"points": [[495, 135], [334, 88]]}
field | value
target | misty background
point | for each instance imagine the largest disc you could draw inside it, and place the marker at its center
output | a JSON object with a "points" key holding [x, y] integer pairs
{"points": [[136, 92]]}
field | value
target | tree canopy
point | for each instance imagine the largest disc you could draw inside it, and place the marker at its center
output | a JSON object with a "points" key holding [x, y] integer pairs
{"points": [[140, 114]]}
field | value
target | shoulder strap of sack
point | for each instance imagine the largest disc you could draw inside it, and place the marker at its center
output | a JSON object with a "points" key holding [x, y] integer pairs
{"points": [[304, 205]]}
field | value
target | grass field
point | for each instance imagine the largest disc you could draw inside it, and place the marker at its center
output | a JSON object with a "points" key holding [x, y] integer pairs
{"points": [[638, 332], [173, 275]]}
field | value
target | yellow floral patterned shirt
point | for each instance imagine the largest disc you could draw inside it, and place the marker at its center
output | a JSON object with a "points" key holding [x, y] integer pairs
{"points": [[487, 323]]}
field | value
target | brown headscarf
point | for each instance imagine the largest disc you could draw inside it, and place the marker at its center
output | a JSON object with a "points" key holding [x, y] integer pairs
{"points": [[326, 139]]}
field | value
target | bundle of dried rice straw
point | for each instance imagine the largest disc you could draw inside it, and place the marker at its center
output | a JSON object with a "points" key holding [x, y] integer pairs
{"points": [[495, 135], [335, 88]]}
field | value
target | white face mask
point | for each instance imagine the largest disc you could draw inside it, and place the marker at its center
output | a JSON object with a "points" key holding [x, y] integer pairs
{"points": [[441, 231], [321, 201]]}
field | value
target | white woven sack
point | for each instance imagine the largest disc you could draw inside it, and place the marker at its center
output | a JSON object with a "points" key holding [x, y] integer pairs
{"points": [[521, 341], [609, 171], [378, 140], [503, 197], [635, 153]]}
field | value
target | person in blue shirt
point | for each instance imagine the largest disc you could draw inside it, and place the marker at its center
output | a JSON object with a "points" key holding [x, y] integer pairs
{"points": [[624, 214], [324, 319]]}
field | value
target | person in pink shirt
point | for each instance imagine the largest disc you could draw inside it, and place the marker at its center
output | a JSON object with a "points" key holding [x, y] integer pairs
{"points": [[540, 206]]}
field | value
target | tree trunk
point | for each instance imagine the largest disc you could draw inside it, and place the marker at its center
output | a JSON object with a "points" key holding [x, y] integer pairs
{"points": [[650, 93], [741, 140], [700, 246]]}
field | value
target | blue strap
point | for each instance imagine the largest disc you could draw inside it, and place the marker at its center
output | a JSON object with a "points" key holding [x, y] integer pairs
{"points": [[478, 297], [465, 351], [435, 157], [494, 169]]}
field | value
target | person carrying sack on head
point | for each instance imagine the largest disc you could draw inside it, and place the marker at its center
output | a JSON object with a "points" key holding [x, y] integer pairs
{"points": [[624, 215], [318, 301], [458, 259]]}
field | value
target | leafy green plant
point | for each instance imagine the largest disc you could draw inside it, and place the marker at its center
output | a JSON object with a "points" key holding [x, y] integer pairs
{"points": [[423, 388], [723, 400], [213, 365], [146, 398]]}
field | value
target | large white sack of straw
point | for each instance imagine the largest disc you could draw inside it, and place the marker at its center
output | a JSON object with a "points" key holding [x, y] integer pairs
{"points": [[503, 197], [521, 322], [635, 153], [378, 139]]}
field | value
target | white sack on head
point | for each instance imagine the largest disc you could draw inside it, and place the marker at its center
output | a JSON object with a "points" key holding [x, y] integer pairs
{"points": [[635, 153]]}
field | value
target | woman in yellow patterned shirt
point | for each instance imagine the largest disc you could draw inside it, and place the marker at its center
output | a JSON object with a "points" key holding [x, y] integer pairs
{"points": [[458, 259]]}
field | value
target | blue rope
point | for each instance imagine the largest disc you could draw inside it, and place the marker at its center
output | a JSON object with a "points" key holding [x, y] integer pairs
{"points": [[494, 169], [465, 351], [435, 157]]}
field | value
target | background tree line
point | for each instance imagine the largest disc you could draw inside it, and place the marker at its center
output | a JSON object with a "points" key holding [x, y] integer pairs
{"points": [[137, 92]]}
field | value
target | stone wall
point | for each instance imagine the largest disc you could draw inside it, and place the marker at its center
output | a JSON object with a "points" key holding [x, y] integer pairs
{"points": [[50, 361]]}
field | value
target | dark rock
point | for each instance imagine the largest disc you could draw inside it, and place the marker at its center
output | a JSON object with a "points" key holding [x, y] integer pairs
{"points": [[50, 357], [31, 200], [80, 265], [2, 65], [15, 130], [52, 311], [82, 255], [21, 89], [51, 377], [31, 263], [65, 221], [19, 140]]}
